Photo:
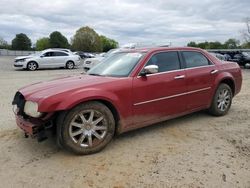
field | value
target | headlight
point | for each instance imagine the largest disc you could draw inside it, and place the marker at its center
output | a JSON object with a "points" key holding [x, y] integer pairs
{"points": [[31, 109], [20, 60]]}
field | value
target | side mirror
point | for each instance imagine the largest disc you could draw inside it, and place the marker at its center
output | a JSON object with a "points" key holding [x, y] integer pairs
{"points": [[42, 56], [150, 69]]}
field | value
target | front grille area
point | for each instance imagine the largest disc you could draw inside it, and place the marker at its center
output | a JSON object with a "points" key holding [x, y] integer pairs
{"points": [[19, 101]]}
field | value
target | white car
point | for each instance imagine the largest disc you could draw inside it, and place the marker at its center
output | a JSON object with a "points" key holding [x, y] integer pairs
{"points": [[91, 62], [48, 59]]}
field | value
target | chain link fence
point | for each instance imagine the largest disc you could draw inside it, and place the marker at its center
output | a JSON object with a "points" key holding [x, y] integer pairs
{"points": [[4, 52]]}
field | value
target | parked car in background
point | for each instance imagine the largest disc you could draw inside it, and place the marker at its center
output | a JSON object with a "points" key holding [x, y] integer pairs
{"points": [[219, 56], [48, 59], [91, 62], [227, 57], [84, 55], [132, 89], [242, 58]]}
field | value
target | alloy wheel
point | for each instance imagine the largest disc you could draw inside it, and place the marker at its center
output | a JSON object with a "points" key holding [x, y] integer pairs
{"points": [[32, 66], [88, 128], [223, 100]]}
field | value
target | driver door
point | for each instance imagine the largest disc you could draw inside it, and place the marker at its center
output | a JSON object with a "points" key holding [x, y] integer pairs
{"points": [[45, 60], [157, 96]]}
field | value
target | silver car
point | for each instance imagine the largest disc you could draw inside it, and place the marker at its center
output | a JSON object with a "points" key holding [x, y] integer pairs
{"points": [[48, 59]]}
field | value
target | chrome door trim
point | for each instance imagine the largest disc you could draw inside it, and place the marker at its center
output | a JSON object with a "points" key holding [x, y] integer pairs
{"points": [[172, 96], [177, 70]]}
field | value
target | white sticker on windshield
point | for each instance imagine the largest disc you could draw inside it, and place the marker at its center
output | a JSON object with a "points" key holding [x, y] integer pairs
{"points": [[137, 55]]}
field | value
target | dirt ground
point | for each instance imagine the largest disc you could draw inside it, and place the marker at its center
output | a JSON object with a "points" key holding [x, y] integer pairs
{"points": [[196, 150]]}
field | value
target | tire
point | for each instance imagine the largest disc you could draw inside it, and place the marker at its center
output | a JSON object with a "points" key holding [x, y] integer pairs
{"points": [[70, 65], [32, 66], [85, 129], [222, 100]]}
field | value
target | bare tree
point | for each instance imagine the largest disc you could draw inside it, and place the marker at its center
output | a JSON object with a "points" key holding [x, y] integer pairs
{"points": [[246, 33]]}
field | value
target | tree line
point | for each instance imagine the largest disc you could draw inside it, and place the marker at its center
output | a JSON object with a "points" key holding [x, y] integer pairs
{"points": [[85, 39], [229, 44]]}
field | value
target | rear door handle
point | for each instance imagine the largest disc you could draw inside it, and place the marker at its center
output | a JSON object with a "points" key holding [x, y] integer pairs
{"points": [[179, 77], [213, 71]]}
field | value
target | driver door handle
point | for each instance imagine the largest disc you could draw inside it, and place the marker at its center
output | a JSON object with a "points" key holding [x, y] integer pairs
{"points": [[179, 77], [213, 71]]}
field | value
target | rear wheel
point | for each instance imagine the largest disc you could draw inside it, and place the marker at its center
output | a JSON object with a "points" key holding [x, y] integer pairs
{"points": [[222, 100], [32, 66], [86, 129], [70, 65]]}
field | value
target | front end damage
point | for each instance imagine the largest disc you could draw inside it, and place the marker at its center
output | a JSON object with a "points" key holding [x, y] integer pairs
{"points": [[33, 127]]}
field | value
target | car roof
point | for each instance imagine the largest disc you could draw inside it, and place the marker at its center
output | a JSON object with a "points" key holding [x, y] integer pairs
{"points": [[55, 50], [152, 49]]}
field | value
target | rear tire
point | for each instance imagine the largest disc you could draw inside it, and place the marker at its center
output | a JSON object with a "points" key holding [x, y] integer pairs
{"points": [[85, 129], [32, 66], [70, 65], [222, 100]]}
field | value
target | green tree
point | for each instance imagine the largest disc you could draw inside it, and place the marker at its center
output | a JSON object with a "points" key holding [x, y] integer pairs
{"points": [[245, 45], [57, 40], [192, 44], [108, 44], [42, 43], [86, 39], [232, 44], [21, 42], [215, 45], [4, 44]]}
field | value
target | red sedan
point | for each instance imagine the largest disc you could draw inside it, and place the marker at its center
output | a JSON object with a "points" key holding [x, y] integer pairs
{"points": [[131, 89]]}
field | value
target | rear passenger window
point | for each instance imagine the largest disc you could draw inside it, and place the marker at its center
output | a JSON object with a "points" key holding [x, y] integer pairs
{"points": [[166, 61], [60, 54], [195, 59]]}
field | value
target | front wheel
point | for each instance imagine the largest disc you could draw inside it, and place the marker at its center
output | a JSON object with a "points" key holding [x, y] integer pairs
{"points": [[32, 66], [86, 129], [222, 100]]}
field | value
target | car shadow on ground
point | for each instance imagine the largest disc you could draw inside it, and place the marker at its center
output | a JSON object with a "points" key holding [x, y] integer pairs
{"points": [[49, 146]]}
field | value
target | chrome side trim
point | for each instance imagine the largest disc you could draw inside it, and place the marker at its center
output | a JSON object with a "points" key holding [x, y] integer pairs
{"points": [[166, 72], [172, 96]]}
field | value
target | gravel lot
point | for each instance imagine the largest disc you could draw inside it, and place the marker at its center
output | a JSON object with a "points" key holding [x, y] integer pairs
{"points": [[196, 150]]}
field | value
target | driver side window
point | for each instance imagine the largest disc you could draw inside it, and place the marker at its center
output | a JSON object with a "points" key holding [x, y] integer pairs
{"points": [[166, 61], [47, 54]]}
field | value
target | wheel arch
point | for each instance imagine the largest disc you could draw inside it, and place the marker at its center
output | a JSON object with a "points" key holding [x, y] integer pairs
{"points": [[105, 102], [31, 62], [70, 60], [230, 83]]}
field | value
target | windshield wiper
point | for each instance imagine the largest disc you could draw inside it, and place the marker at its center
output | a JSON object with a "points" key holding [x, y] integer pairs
{"points": [[94, 74]]}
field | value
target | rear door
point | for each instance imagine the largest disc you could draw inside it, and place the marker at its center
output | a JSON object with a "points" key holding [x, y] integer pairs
{"points": [[58, 59], [200, 76], [159, 95]]}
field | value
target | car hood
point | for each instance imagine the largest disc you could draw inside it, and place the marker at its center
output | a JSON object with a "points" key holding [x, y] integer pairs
{"points": [[24, 57], [47, 89]]}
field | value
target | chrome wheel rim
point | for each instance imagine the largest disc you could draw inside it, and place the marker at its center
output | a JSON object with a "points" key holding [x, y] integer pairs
{"points": [[88, 128], [223, 100], [32, 66]]}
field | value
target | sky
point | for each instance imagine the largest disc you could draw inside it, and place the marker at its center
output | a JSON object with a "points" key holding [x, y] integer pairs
{"points": [[127, 21]]}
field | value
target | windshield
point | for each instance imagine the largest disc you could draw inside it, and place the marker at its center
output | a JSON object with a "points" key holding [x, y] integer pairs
{"points": [[117, 65]]}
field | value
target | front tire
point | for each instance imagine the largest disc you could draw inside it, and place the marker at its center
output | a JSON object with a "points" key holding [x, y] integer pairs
{"points": [[222, 100], [32, 66], [86, 129]]}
